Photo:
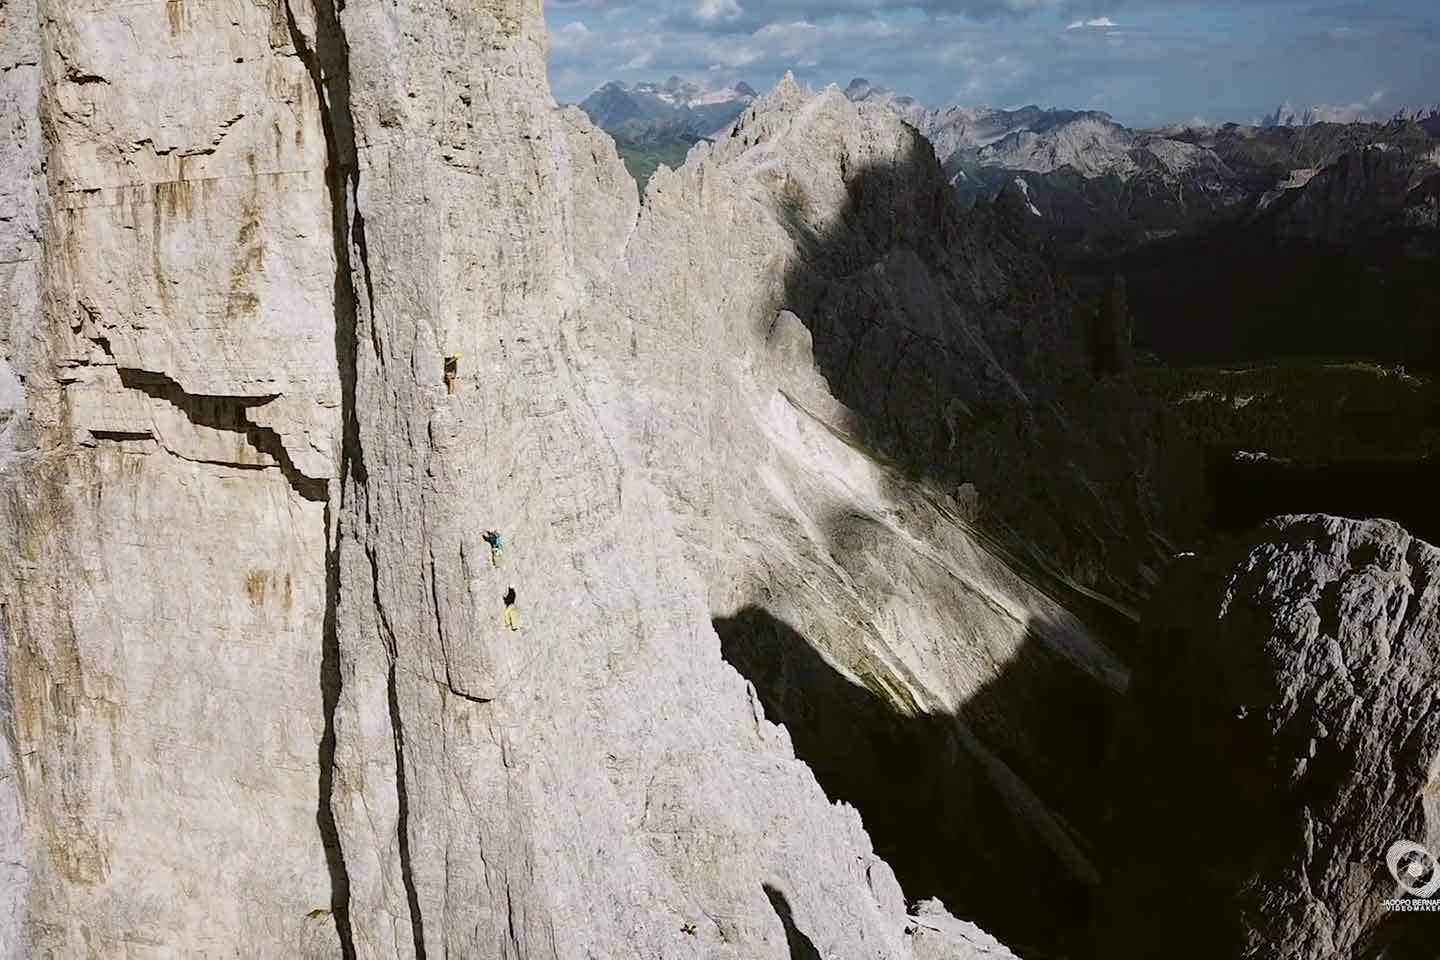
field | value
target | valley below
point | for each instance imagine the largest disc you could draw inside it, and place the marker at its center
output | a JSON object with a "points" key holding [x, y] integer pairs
{"points": [[1353, 439]]}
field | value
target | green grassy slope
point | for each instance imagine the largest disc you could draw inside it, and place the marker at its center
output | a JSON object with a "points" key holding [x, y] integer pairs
{"points": [[642, 159]]}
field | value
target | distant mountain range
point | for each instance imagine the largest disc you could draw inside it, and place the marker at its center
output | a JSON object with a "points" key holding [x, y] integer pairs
{"points": [[1296, 233], [1301, 236], [1340, 259], [676, 104], [1288, 115], [1098, 186], [655, 123], [1089, 181]]}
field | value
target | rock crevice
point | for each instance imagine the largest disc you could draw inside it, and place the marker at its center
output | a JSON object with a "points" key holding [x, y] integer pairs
{"points": [[327, 65]]}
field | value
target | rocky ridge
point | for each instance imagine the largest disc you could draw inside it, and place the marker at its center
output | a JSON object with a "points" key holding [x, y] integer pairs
{"points": [[848, 428]]}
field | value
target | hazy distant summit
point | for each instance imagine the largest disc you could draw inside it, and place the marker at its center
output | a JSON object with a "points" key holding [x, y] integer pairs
{"points": [[683, 105], [1288, 115], [861, 90], [656, 124]]}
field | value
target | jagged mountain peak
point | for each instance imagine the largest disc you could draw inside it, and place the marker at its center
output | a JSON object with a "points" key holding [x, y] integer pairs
{"points": [[1289, 115], [857, 87]]}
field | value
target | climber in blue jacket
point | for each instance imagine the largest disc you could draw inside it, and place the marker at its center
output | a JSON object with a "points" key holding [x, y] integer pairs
{"points": [[497, 546]]}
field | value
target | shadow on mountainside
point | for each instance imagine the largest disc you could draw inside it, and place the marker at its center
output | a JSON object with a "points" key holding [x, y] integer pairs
{"points": [[956, 339], [801, 946], [1241, 294], [1246, 493], [958, 345], [935, 800]]}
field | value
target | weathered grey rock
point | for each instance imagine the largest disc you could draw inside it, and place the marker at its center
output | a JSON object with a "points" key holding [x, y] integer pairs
{"points": [[939, 936], [21, 189], [169, 312], [1286, 736]]}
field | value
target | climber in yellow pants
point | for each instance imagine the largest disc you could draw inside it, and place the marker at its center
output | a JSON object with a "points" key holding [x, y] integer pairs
{"points": [[512, 617]]}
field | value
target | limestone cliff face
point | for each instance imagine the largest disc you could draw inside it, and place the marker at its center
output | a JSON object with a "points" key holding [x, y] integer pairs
{"points": [[259, 699], [167, 306], [598, 784]]}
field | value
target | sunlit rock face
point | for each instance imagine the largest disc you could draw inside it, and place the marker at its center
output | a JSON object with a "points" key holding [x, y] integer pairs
{"points": [[168, 413]]}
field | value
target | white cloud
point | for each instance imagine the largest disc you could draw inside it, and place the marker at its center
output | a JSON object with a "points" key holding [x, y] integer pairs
{"points": [[571, 38], [990, 52], [640, 61], [712, 10], [1098, 23], [790, 40]]}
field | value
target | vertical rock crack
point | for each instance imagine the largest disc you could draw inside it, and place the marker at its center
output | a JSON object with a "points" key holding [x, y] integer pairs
{"points": [[327, 64]]}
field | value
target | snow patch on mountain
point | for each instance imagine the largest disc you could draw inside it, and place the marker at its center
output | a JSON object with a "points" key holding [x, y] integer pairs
{"points": [[1025, 192]]}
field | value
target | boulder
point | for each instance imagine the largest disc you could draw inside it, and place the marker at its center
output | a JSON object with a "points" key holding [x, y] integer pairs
{"points": [[1285, 736]]}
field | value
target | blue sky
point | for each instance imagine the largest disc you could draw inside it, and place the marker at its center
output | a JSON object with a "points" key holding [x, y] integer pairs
{"points": [[1145, 61]]}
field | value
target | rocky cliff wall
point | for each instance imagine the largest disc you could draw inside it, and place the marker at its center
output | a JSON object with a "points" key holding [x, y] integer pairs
{"points": [[596, 782], [164, 514], [259, 695]]}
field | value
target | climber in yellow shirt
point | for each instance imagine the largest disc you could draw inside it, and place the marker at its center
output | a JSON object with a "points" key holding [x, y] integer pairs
{"points": [[512, 616]]}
